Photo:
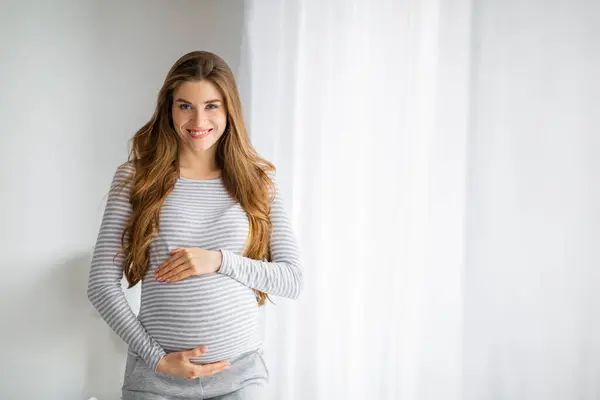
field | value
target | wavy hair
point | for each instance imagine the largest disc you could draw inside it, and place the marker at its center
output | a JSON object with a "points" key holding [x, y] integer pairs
{"points": [[154, 155]]}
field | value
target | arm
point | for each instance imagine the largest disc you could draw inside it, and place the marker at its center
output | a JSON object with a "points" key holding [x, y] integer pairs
{"points": [[104, 285], [281, 277]]}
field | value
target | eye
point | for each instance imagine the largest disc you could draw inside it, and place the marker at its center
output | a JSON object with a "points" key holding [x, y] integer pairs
{"points": [[212, 106], [185, 107]]}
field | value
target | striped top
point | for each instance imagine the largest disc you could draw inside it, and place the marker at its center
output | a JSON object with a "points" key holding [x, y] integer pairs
{"points": [[218, 310]]}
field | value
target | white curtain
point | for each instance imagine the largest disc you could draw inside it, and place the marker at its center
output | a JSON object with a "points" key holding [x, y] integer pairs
{"points": [[363, 107]]}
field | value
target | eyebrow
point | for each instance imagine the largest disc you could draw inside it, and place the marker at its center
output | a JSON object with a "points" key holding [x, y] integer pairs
{"points": [[180, 100]]}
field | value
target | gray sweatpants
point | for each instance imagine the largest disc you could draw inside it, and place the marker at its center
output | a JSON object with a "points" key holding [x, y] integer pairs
{"points": [[245, 379]]}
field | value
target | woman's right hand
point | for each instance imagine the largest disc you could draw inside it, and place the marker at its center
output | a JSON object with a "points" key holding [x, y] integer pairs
{"points": [[179, 364]]}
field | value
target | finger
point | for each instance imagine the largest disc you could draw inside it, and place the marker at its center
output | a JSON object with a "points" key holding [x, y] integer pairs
{"points": [[210, 369], [174, 267], [218, 367], [176, 255], [176, 251], [168, 265], [196, 352], [182, 275], [177, 270], [222, 365], [174, 258]]}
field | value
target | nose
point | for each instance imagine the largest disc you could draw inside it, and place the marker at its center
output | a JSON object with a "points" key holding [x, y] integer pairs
{"points": [[200, 118]]}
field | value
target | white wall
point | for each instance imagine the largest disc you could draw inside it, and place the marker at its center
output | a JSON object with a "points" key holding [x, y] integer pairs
{"points": [[77, 79], [532, 300]]}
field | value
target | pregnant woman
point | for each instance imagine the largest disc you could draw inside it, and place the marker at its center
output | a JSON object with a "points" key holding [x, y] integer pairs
{"points": [[195, 215]]}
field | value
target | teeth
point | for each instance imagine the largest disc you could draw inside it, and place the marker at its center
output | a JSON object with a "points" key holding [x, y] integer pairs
{"points": [[199, 133]]}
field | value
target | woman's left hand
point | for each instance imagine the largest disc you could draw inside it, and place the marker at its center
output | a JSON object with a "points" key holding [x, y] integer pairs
{"points": [[188, 262]]}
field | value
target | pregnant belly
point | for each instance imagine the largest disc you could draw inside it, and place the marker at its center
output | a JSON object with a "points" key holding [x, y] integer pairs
{"points": [[211, 310]]}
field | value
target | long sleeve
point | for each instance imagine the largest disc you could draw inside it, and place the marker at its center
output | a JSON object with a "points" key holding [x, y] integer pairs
{"points": [[282, 276], [104, 285]]}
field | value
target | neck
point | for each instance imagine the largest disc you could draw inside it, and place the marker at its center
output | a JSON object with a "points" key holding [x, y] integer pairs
{"points": [[197, 165]]}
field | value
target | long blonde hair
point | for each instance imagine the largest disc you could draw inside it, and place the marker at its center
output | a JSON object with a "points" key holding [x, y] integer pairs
{"points": [[154, 155]]}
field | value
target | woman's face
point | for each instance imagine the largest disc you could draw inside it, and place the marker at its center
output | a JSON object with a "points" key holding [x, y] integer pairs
{"points": [[199, 115]]}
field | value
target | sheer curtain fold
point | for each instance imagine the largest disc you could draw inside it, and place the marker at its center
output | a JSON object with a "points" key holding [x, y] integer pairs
{"points": [[362, 105]]}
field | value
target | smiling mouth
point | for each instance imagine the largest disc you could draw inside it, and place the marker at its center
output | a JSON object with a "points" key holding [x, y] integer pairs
{"points": [[199, 134]]}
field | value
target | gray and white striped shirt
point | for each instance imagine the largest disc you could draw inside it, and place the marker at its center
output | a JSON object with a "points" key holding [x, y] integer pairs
{"points": [[217, 310]]}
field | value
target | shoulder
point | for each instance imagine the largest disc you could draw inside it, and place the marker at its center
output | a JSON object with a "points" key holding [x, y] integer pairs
{"points": [[272, 184], [272, 176], [273, 187], [123, 176], [126, 169], [124, 172]]}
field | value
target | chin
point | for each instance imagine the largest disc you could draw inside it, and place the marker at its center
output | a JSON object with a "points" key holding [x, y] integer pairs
{"points": [[200, 147]]}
